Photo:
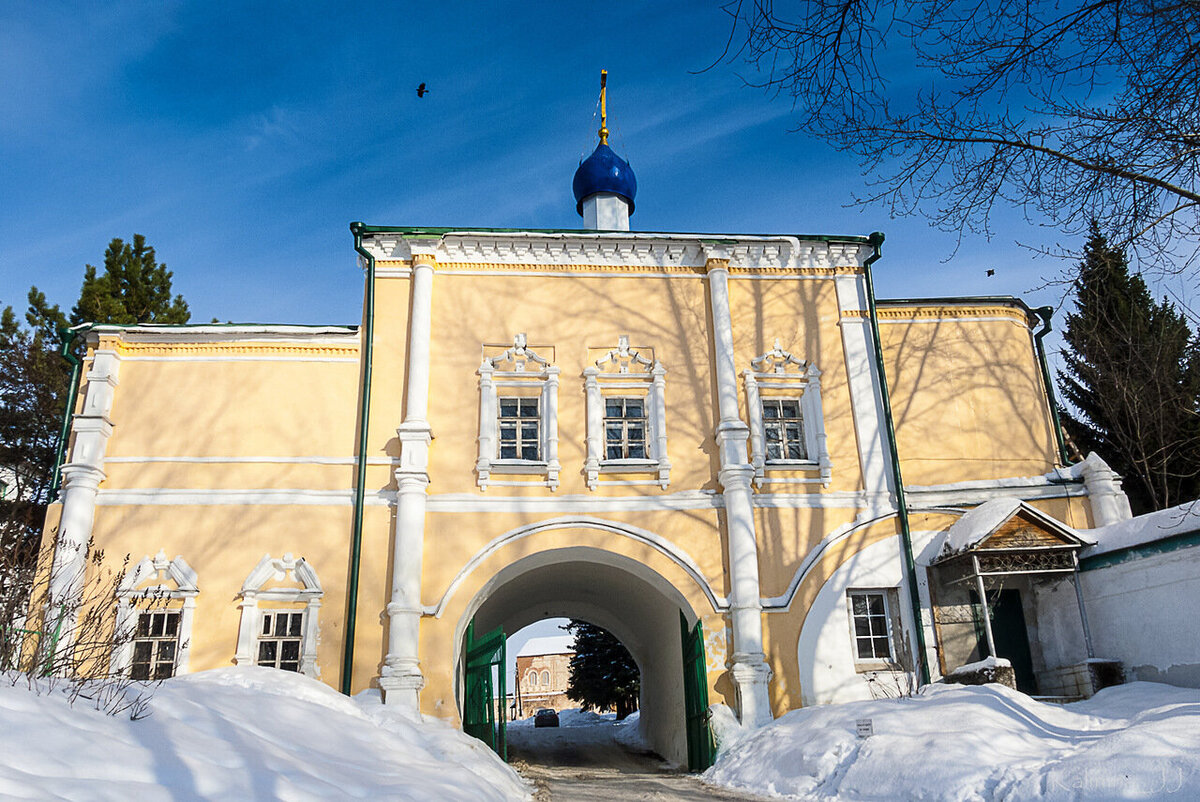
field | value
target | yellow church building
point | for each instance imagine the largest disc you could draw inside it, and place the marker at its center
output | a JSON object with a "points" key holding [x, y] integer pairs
{"points": [[636, 429]]}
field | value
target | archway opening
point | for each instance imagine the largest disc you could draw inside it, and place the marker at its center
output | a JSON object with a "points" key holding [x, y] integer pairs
{"points": [[634, 603]]}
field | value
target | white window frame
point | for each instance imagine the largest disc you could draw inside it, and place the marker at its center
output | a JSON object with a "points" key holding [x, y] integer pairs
{"points": [[890, 611], [518, 371], [174, 588], [778, 374], [308, 593], [624, 372]]}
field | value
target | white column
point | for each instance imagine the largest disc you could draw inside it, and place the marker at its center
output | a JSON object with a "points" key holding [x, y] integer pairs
{"points": [[400, 678], [550, 422], [81, 479], [186, 617], [487, 424], [658, 408], [308, 646], [247, 629], [595, 426], [749, 668]]}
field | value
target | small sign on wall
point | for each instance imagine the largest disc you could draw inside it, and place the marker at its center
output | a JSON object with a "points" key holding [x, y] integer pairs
{"points": [[864, 727]]}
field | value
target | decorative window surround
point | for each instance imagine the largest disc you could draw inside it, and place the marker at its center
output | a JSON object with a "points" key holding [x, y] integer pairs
{"points": [[174, 587], [518, 371], [271, 571], [774, 374], [624, 373]]}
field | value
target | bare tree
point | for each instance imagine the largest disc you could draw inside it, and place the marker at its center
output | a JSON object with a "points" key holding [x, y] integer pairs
{"points": [[1068, 111]]}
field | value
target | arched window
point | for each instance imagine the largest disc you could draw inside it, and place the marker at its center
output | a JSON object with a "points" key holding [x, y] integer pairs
{"points": [[155, 604], [284, 635], [545, 677], [531, 677]]}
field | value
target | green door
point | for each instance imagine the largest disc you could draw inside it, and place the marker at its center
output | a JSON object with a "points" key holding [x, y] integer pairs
{"points": [[1009, 633], [695, 697], [483, 691]]}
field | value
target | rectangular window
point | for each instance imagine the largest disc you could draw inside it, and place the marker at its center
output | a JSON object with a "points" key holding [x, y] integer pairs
{"points": [[783, 429], [155, 642], [624, 428], [869, 625], [279, 642], [520, 429]]}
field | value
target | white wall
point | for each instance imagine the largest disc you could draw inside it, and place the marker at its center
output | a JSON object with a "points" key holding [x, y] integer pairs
{"points": [[1142, 612]]}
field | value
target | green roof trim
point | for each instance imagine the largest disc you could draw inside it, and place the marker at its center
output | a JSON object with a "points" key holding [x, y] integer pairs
{"points": [[422, 232], [1182, 540]]}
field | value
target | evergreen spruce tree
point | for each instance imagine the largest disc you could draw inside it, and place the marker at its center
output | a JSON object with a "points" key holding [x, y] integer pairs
{"points": [[133, 289], [1132, 378], [603, 674]]}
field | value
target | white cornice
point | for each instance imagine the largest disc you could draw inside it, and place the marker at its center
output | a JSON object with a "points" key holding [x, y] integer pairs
{"points": [[621, 249], [309, 335]]}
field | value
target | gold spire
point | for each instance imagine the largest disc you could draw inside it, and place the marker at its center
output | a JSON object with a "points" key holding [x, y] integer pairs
{"points": [[603, 108]]}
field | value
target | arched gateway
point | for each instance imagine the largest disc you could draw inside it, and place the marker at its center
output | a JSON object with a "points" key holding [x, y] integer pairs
{"points": [[621, 426]]}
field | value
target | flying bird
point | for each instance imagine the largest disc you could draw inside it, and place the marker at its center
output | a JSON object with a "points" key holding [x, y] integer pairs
{"points": [[421, 90], [991, 272]]}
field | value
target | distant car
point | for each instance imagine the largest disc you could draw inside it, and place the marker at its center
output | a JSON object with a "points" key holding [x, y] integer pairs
{"points": [[545, 717]]}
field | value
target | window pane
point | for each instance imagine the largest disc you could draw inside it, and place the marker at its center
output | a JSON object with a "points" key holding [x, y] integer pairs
{"points": [[875, 601], [172, 627], [508, 433], [295, 624], [266, 625], [529, 431], [166, 650], [795, 451], [613, 452], [140, 671], [141, 651], [157, 622], [773, 434], [267, 652], [859, 603], [508, 452], [635, 433], [164, 671], [613, 433], [863, 648], [881, 647], [770, 409], [290, 650], [790, 409], [793, 432], [529, 453], [508, 407], [862, 626], [612, 407], [529, 407], [773, 451], [637, 451], [633, 409]]}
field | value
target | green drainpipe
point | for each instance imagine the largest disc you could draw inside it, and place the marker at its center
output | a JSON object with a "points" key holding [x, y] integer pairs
{"points": [[360, 484], [910, 569], [67, 337], [1045, 313]]}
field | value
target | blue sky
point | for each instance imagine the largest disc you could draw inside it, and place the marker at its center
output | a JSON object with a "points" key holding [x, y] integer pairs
{"points": [[242, 139]]}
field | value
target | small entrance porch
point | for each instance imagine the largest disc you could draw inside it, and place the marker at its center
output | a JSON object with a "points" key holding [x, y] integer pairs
{"points": [[994, 570]]}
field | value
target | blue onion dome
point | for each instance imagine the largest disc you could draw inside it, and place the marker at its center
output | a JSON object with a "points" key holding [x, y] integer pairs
{"points": [[604, 171]]}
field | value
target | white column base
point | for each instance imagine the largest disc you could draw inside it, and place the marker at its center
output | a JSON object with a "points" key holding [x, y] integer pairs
{"points": [[752, 678]]}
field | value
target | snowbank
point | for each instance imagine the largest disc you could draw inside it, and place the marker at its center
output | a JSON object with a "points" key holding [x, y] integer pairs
{"points": [[1144, 529], [1138, 741], [241, 733]]}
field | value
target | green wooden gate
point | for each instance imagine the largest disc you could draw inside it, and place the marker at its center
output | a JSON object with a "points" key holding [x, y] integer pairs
{"points": [[483, 692], [695, 697]]}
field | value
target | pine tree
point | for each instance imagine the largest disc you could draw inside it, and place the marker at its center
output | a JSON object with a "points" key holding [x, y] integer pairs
{"points": [[603, 674], [133, 289], [1132, 377]]}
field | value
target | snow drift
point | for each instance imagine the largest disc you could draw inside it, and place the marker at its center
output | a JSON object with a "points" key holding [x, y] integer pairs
{"points": [[951, 743], [241, 733]]}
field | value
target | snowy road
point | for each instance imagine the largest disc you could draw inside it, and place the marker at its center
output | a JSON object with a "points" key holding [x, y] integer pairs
{"points": [[587, 764]]}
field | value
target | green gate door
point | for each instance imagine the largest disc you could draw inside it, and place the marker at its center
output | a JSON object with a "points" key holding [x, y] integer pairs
{"points": [[483, 692], [695, 697]]}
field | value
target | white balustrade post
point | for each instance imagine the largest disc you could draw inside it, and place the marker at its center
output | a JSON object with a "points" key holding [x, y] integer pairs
{"points": [[751, 674]]}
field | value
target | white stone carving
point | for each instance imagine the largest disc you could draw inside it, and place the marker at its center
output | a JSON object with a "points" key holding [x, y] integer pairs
{"points": [[780, 374], [305, 589], [172, 581], [625, 372], [521, 369]]}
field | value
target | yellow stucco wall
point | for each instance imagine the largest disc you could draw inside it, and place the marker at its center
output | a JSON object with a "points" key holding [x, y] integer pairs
{"points": [[966, 392]]}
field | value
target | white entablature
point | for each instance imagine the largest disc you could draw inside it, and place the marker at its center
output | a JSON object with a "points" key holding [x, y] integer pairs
{"points": [[644, 250]]}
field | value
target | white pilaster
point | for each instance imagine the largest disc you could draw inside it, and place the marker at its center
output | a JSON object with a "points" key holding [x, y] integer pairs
{"points": [[400, 678], [866, 401], [595, 426], [749, 668], [81, 479]]}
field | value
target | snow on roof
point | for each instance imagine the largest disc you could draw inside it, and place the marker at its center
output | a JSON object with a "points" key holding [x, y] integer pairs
{"points": [[555, 644], [1145, 528], [977, 524]]}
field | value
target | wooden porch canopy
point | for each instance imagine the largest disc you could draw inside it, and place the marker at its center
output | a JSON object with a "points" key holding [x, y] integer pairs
{"points": [[1007, 537]]}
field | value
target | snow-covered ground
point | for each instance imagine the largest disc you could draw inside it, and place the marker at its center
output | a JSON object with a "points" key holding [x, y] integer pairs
{"points": [[244, 733], [1137, 741]]}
